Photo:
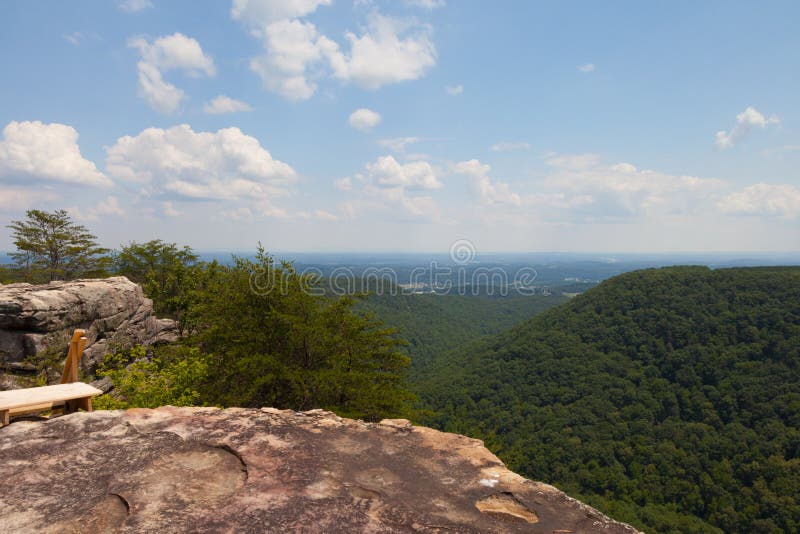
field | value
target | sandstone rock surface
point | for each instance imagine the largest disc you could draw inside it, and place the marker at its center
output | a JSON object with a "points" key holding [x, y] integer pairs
{"points": [[250, 470], [114, 311]]}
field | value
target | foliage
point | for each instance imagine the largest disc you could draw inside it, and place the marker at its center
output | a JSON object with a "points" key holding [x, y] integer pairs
{"points": [[51, 246], [669, 398], [174, 375], [435, 324], [165, 272], [275, 344], [261, 338]]}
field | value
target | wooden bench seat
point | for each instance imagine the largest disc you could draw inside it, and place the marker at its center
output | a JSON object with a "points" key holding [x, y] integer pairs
{"points": [[74, 396]]}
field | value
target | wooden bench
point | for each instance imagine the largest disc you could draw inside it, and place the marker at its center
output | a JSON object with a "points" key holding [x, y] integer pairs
{"points": [[33, 400], [70, 394]]}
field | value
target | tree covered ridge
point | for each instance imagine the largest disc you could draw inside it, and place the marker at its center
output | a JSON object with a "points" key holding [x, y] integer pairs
{"points": [[669, 398]]}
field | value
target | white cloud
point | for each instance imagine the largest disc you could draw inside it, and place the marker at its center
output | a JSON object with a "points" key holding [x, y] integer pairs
{"points": [[509, 146], [47, 152], [318, 215], [385, 188], [746, 121], [107, 208], [182, 163], [169, 210], [364, 119], [293, 49], [387, 172], [20, 199], [390, 51], [574, 162], [242, 213], [162, 96], [622, 189], [344, 184], [296, 56], [454, 89], [426, 4], [73, 38], [260, 13], [175, 52], [171, 52], [586, 68], [763, 199], [134, 6], [487, 191], [398, 144], [224, 104]]}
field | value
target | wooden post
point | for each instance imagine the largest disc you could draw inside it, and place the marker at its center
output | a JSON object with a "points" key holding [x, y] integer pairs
{"points": [[74, 356], [5, 417]]}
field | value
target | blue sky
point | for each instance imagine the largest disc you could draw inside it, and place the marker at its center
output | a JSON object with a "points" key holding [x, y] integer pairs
{"points": [[333, 125]]}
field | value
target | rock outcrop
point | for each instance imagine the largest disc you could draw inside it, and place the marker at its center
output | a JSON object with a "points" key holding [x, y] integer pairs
{"points": [[250, 470], [35, 319]]}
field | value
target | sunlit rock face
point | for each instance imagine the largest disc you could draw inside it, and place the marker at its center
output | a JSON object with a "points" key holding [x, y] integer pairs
{"points": [[250, 470], [36, 319]]}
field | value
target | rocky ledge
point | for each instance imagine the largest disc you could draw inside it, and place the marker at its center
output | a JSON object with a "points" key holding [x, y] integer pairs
{"points": [[250, 470], [35, 319]]}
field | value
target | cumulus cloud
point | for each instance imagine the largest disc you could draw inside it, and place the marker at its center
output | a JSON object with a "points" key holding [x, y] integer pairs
{"points": [[171, 52], [224, 104], [746, 121], [392, 188], [162, 96], [388, 172], [586, 68], [20, 199], [134, 6], [454, 90], [488, 192], [763, 199], [398, 144], [390, 51], [46, 152], [184, 164], [364, 119], [109, 207], [509, 146], [623, 190], [296, 55], [294, 51]]}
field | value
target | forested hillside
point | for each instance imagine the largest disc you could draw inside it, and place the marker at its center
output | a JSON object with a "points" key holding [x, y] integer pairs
{"points": [[668, 398], [434, 324]]}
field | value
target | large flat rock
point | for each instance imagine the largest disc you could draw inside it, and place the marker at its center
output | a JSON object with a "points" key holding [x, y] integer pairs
{"points": [[249, 470], [36, 319]]}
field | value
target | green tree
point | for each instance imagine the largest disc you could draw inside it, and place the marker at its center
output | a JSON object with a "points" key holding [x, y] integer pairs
{"points": [[51, 246], [276, 344], [167, 274]]}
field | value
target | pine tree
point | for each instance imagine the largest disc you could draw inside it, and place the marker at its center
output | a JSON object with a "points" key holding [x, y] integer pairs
{"points": [[51, 246]]}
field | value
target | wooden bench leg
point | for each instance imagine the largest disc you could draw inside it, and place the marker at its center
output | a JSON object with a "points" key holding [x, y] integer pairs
{"points": [[5, 417], [78, 404], [85, 404]]}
